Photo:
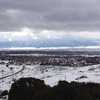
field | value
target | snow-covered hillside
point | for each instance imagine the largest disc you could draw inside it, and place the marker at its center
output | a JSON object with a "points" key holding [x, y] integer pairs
{"points": [[50, 74], [68, 48]]}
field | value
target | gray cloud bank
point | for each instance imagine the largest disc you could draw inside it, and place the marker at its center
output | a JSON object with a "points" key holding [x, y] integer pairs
{"points": [[74, 15]]}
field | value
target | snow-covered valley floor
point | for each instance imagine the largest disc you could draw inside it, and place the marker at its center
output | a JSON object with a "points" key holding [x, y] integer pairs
{"points": [[50, 74]]}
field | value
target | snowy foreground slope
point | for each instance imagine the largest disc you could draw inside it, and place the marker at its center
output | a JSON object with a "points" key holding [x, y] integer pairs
{"points": [[50, 74]]}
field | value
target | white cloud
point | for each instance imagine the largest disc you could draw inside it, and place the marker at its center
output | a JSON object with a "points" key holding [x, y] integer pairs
{"points": [[86, 34], [13, 13], [27, 34], [50, 34]]}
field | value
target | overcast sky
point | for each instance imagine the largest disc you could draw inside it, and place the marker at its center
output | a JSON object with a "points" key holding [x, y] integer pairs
{"points": [[40, 19]]}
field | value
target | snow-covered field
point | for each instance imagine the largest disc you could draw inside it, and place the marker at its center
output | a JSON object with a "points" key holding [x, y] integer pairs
{"points": [[50, 74]]}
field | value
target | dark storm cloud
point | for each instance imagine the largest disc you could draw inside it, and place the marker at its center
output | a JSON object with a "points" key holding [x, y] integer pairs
{"points": [[50, 14]]}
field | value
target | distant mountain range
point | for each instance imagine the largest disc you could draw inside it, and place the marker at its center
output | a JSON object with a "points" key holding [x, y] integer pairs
{"points": [[64, 42]]}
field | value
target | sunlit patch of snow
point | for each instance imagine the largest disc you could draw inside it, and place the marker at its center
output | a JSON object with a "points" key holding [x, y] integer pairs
{"points": [[52, 74]]}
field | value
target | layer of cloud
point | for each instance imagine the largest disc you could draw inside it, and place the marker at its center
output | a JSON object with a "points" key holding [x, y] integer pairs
{"points": [[27, 34], [74, 15]]}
